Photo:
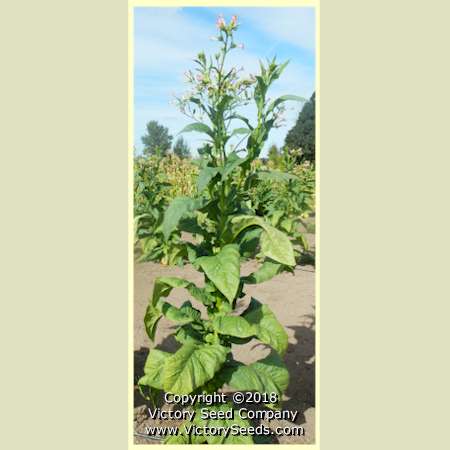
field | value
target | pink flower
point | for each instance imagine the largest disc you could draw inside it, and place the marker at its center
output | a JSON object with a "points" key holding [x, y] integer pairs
{"points": [[240, 46], [200, 77], [234, 21], [220, 22]]}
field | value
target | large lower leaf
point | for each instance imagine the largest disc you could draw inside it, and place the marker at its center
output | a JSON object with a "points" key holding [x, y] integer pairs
{"points": [[265, 376], [236, 421], [153, 369], [179, 207], [192, 366], [276, 245], [223, 270], [233, 326], [267, 328]]}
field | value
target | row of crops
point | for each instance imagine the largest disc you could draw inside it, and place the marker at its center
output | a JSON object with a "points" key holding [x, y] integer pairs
{"points": [[282, 195]]}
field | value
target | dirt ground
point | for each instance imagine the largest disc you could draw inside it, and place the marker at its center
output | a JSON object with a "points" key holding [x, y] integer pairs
{"points": [[290, 297]]}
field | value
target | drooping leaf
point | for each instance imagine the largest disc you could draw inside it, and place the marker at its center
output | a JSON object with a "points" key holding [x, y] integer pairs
{"points": [[233, 326], [151, 319], [223, 270], [176, 210], [192, 366], [266, 375], [198, 127], [268, 329], [265, 272], [153, 369], [276, 245], [284, 98]]}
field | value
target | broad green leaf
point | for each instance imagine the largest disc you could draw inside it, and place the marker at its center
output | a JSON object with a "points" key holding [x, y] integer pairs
{"points": [[233, 326], [221, 438], [266, 375], [223, 270], [153, 369], [205, 176], [268, 329], [276, 245], [198, 127], [176, 210], [265, 272], [192, 366]]}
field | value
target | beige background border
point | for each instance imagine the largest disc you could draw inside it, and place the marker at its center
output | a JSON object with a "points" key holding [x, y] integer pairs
{"points": [[384, 225]]}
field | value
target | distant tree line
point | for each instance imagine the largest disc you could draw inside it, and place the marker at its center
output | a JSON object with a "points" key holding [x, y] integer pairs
{"points": [[158, 142]]}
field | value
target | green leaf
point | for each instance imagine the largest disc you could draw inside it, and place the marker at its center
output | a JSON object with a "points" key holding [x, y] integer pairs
{"points": [[185, 314], [266, 375], [268, 329], [151, 319], [283, 99], [192, 366], [276, 245], [176, 210], [220, 438], [233, 161], [164, 285], [233, 326], [265, 272], [240, 131], [198, 127], [223, 270], [205, 176], [153, 369]]}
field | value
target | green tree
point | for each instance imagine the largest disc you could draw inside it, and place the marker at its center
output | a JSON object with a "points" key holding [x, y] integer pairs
{"points": [[303, 134], [157, 141], [274, 155], [181, 148]]}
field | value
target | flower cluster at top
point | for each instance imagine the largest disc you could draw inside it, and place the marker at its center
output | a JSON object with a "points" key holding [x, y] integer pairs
{"points": [[211, 81]]}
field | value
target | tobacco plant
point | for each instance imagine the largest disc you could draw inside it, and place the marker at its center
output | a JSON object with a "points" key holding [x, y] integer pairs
{"points": [[222, 218]]}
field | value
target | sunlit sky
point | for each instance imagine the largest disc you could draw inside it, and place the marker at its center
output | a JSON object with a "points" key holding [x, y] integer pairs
{"points": [[166, 40]]}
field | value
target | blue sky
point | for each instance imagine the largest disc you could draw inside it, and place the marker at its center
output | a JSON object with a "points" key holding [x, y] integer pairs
{"points": [[166, 40]]}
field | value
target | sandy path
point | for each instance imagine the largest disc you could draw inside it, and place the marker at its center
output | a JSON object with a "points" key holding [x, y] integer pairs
{"points": [[291, 298]]}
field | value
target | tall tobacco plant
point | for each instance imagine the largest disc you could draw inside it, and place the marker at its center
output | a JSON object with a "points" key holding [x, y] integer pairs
{"points": [[222, 217]]}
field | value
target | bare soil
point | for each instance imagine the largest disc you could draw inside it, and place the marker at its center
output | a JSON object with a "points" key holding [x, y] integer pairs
{"points": [[290, 297]]}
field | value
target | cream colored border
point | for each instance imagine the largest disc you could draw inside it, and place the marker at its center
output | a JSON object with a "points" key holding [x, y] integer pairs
{"points": [[173, 3]]}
